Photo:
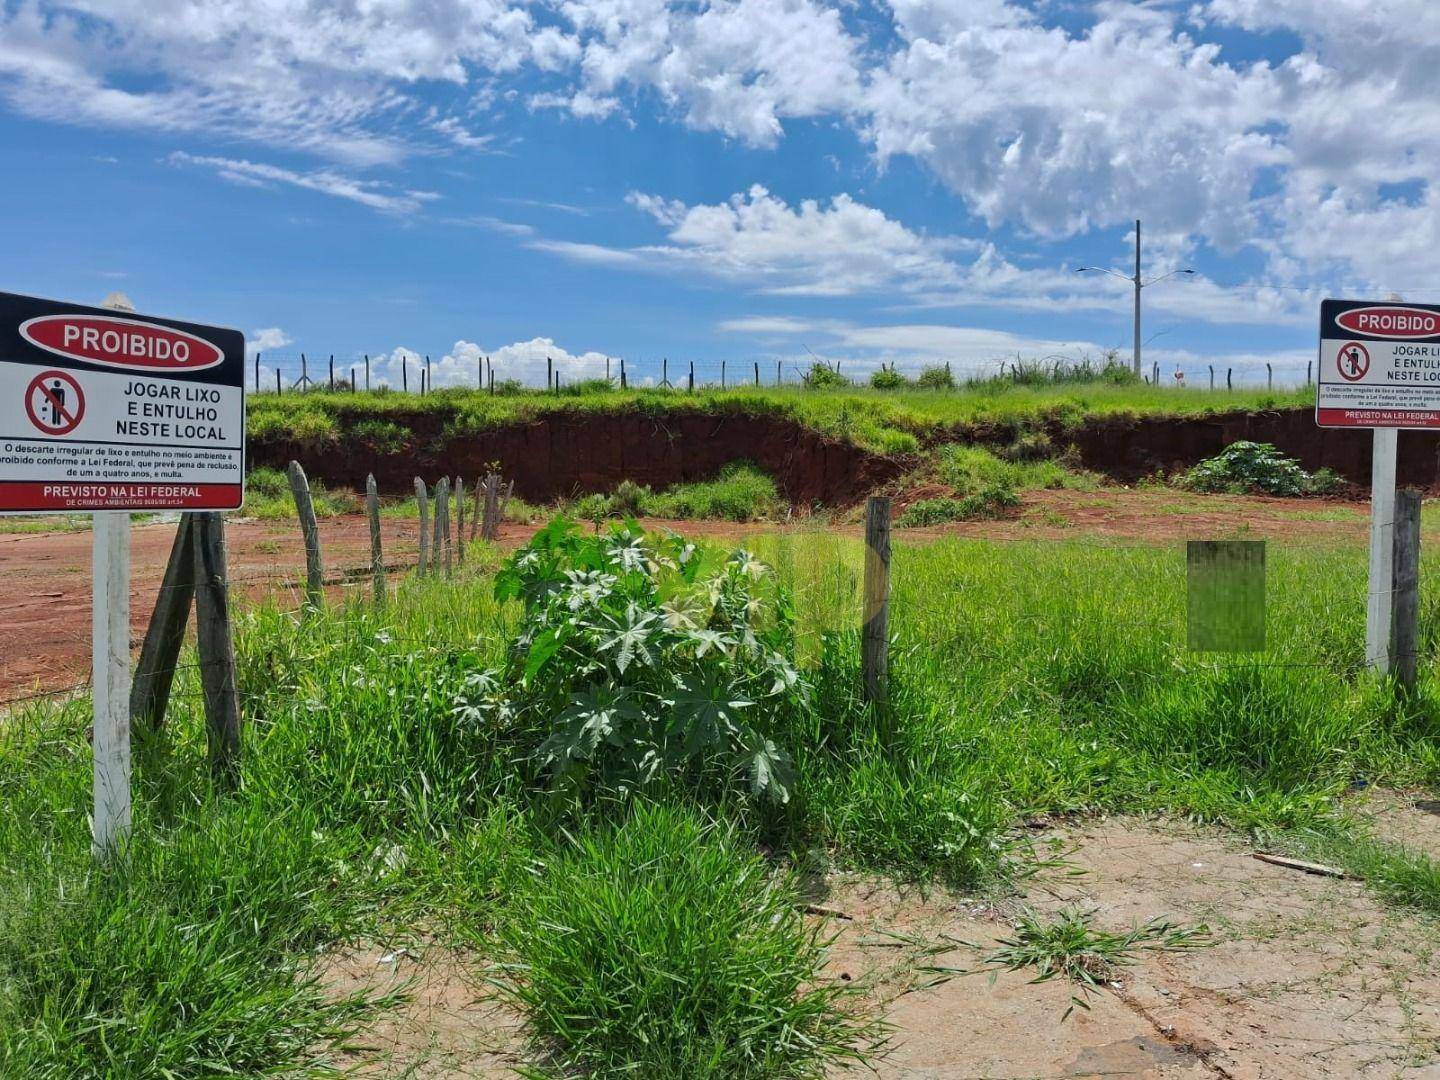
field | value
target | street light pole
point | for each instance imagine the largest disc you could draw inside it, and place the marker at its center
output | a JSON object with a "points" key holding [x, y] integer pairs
{"points": [[1138, 283], [1138, 287]]}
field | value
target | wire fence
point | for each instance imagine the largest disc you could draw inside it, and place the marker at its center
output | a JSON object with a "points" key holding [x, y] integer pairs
{"points": [[284, 373]]}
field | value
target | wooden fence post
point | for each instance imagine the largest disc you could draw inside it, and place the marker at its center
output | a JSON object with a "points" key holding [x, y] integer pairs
{"points": [[460, 520], [490, 529], [310, 530], [424, 503], [442, 520], [436, 542], [377, 556], [155, 671], [216, 646], [1405, 609], [875, 631], [475, 516]]}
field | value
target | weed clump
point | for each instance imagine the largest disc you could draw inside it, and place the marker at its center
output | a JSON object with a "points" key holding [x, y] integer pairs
{"points": [[665, 947], [936, 377], [989, 503], [638, 661], [1246, 468], [742, 492], [887, 378]]}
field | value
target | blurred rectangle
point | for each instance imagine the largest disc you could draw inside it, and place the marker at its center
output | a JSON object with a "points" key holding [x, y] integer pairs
{"points": [[1226, 595]]}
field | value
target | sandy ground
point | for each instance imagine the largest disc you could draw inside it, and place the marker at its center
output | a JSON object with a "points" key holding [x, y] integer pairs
{"points": [[1306, 976], [45, 577]]}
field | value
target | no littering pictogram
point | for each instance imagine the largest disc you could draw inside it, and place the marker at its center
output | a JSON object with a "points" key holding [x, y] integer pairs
{"points": [[1353, 360], [54, 402]]}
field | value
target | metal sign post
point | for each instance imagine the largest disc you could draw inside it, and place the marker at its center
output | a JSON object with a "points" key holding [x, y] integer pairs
{"points": [[1379, 367], [107, 412]]}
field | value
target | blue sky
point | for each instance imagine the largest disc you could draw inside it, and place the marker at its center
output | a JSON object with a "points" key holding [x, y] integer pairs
{"points": [[912, 181]]}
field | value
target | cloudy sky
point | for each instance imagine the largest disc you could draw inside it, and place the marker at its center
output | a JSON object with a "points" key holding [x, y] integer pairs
{"points": [[743, 179]]}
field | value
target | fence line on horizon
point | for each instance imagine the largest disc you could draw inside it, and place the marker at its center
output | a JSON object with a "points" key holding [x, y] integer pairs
{"points": [[273, 372]]}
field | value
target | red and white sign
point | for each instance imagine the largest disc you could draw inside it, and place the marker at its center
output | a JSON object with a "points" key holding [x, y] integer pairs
{"points": [[1404, 323], [101, 411], [55, 403], [1379, 365]]}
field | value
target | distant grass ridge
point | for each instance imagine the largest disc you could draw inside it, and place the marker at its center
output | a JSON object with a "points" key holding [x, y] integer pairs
{"points": [[880, 420]]}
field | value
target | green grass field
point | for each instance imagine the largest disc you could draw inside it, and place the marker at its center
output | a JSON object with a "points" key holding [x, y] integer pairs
{"points": [[387, 790], [888, 421]]}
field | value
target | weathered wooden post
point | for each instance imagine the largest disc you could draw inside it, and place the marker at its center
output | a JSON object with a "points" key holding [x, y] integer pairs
{"points": [[875, 632], [437, 541], [475, 516], [423, 501], [377, 557], [216, 646], [1405, 614], [442, 520], [310, 530], [155, 671], [460, 520]]}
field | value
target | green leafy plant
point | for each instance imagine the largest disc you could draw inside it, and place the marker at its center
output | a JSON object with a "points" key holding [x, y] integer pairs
{"points": [[936, 377], [634, 660], [990, 502], [1070, 947], [822, 376], [887, 378], [1249, 467], [666, 948]]}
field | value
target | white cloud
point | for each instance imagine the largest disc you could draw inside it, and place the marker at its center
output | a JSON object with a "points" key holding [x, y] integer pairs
{"points": [[461, 366], [372, 193], [845, 248], [1321, 161], [261, 341]]}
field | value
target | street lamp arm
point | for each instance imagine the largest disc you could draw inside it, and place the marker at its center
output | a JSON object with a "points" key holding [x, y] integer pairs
{"points": [[1162, 277], [1104, 270]]}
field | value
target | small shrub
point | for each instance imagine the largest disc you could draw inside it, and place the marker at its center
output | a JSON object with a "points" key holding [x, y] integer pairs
{"points": [[936, 377], [822, 376], [992, 502], [635, 663], [267, 496], [629, 499], [666, 948], [1029, 446], [742, 492], [888, 379], [1256, 468], [971, 469]]}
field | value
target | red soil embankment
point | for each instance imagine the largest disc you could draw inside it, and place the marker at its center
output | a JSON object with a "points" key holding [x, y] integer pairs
{"points": [[566, 454], [1128, 448]]}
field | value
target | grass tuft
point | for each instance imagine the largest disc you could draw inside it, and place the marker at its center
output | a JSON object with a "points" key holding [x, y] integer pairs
{"points": [[665, 947]]}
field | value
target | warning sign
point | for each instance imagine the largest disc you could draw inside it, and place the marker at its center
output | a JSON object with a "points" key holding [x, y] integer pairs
{"points": [[55, 402], [1379, 365], [107, 411]]}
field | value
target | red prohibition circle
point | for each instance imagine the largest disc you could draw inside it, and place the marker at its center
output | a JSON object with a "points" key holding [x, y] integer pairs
{"points": [[1352, 361], [58, 414]]}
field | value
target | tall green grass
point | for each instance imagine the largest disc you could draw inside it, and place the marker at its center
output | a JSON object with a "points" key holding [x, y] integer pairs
{"points": [[889, 421], [1028, 678], [665, 945]]}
